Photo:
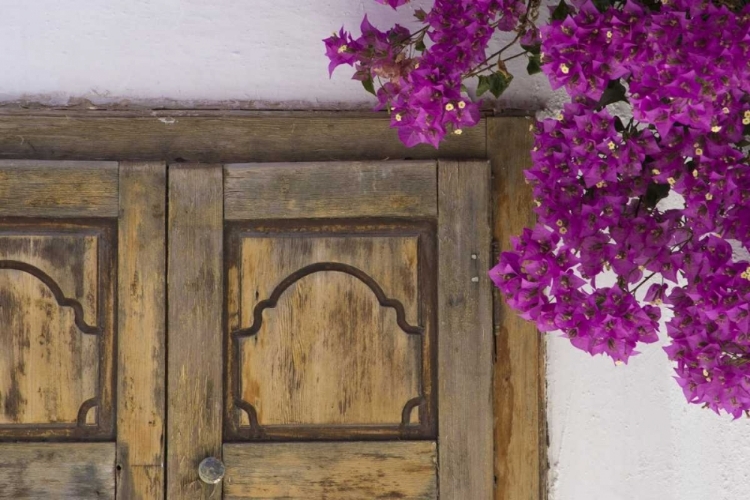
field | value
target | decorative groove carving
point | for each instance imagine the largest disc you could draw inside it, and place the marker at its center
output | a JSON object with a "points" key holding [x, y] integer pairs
{"points": [[256, 429], [252, 415], [272, 301], [84, 410], [409, 407], [57, 292]]}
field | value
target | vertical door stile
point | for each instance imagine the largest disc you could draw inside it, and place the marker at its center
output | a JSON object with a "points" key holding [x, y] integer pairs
{"points": [[465, 343], [195, 298], [142, 331]]}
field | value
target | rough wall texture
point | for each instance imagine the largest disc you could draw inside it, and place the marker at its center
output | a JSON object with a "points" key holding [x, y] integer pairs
{"points": [[615, 432]]}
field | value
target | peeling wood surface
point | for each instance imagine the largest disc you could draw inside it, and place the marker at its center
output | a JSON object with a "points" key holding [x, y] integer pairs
{"points": [[48, 367], [142, 331], [57, 470], [195, 298], [520, 424], [330, 190], [334, 471], [330, 352], [465, 331], [56, 326], [220, 136], [35, 188]]}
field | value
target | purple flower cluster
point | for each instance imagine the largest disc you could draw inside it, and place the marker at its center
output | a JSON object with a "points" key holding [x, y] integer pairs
{"points": [[710, 331], [687, 64], [421, 86], [585, 187], [684, 67]]}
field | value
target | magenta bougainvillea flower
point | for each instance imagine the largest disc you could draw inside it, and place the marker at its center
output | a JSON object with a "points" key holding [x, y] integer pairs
{"points": [[393, 3], [606, 256], [421, 86]]}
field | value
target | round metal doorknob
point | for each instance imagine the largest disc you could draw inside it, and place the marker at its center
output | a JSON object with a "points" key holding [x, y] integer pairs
{"points": [[211, 470]]}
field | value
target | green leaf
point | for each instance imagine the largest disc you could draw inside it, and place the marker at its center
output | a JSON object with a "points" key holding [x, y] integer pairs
{"points": [[499, 82], [615, 92], [369, 85], [603, 5], [653, 5], [483, 85], [420, 14], [654, 193], [533, 49], [420, 46], [496, 83], [464, 90], [619, 126], [561, 11], [535, 64]]}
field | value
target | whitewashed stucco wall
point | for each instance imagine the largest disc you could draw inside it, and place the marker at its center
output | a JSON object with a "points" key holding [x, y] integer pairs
{"points": [[616, 433]]}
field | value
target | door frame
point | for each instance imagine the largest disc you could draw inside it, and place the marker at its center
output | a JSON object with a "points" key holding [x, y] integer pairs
{"points": [[230, 136]]}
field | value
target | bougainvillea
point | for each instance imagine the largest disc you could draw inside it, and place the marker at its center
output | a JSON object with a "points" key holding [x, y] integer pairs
{"points": [[680, 71], [421, 86]]}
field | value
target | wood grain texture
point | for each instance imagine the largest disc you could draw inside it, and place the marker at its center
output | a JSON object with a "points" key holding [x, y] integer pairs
{"points": [[520, 425], [57, 470], [239, 136], [464, 331], [216, 136], [195, 354], [56, 329], [32, 188], [334, 471], [329, 353], [330, 190], [142, 331]]}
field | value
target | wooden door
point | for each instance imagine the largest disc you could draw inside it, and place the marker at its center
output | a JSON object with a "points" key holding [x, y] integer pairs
{"points": [[82, 289], [330, 331]]}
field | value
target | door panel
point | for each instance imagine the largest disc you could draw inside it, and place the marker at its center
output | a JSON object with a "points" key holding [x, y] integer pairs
{"points": [[56, 328], [333, 471], [330, 330], [340, 286], [82, 281]]}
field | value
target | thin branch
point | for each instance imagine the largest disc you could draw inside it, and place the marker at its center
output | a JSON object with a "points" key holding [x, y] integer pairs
{"points": [[516, 56], [644, 281]]}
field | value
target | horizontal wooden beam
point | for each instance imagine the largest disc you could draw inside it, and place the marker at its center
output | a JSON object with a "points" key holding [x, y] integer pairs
{"points": [[57, 470], [217, 136], [336, 471]]}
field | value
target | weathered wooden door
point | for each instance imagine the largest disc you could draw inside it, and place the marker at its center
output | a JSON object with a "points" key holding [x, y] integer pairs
{"points": [[322, 330], [330, 331], [82, 291]]}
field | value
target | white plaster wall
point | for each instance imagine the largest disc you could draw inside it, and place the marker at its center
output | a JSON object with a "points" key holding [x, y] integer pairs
{"points": [[260, 53], [616, 433]]}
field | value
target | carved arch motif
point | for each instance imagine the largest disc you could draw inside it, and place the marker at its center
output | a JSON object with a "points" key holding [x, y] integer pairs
{"points": [[57, 292], [271, 302], [66, 302]]}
